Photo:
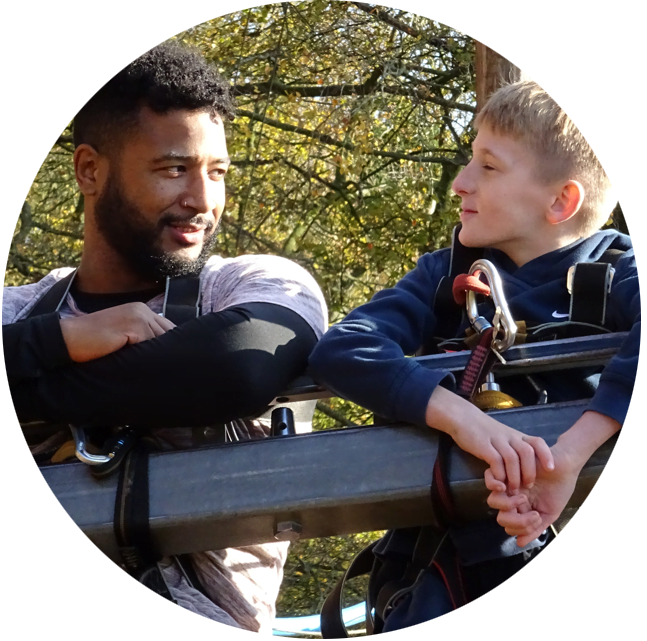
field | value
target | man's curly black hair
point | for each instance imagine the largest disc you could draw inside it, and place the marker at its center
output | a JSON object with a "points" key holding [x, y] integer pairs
{"points": [[168, 77]]}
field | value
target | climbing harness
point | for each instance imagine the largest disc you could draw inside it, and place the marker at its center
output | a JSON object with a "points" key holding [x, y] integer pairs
{"points": [[389, 582], [398, 562]]}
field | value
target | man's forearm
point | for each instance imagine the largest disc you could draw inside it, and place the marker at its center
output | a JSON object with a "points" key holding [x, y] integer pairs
{"points": [[34, 346], [213, 369]]}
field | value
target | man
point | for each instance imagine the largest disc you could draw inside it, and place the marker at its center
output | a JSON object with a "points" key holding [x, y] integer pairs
{"points": [[150, 160]]}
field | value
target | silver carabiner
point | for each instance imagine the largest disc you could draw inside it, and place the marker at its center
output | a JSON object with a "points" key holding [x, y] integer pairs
{"points": [[502, 321], [82, 454]]}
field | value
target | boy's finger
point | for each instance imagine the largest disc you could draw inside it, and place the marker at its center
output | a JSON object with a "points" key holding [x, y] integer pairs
{"points": [[501, 501], [516, 524], [492, 484], [542, 451], [523, 540], [496, 464], [512, 467], [527, 460]]}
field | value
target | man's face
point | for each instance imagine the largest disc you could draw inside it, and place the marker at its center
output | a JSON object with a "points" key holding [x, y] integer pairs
{"points": [[504, 201], [164, 195]]}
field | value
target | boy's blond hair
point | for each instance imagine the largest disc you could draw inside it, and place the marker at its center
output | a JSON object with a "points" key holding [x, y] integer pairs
{"points": [[524, 111]]}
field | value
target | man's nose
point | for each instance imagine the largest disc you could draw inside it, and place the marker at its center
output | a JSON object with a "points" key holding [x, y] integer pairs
{"points": [[203, 194]]}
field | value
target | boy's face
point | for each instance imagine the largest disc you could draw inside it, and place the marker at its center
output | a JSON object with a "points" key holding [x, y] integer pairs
{"points": [[504, 202]]}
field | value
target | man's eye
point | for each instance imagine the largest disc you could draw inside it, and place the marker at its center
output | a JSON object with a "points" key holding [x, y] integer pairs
{"points": [[219, 173], [175, 169]]}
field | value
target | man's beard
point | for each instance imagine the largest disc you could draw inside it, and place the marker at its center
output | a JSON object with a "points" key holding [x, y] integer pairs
{"points": [[138, 242]]}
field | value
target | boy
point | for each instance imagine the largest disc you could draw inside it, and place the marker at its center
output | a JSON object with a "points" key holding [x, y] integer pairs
{"points": [[534, 196]]}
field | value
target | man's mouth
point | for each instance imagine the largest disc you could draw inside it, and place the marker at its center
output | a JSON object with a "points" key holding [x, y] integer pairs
{"points": [[468, 212], [187, 233]]}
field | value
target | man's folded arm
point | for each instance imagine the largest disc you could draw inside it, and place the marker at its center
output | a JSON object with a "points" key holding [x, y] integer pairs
{"points": [[215, 368]]}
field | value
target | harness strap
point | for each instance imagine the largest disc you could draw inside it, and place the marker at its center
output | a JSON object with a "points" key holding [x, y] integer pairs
{"points": [[182, 299], [131, 526], [477, 368], [590, 284], [449, 315], [332, 623], [54, 297]]}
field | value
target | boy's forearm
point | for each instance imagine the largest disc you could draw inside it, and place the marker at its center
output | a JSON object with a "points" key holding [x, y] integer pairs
{"points": [[588, 433], [448, 412]]}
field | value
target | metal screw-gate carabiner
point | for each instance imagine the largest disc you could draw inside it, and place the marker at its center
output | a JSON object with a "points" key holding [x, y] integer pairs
{"points": [[502, 321], [82, 454]]}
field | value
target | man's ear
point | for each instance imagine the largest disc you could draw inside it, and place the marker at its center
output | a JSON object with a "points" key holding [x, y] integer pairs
{"points": [[87, 169], [567, 202]]}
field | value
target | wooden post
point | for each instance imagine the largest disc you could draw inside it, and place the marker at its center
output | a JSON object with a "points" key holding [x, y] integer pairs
{"points": [[492, 71]]}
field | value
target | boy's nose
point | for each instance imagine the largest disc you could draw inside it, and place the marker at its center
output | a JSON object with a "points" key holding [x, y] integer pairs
{"points": [[461, 183]]}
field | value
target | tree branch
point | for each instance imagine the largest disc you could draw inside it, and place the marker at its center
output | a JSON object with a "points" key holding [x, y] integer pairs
{"points": [[258, 162], [387, 18], [365, 89], [324, 408], [57, 232], [26, 223], [265, 243], [66, 143], [329, 140]]}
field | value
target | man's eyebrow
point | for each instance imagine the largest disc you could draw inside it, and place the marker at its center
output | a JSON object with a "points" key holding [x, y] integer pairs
{"points": [[176, 157]]}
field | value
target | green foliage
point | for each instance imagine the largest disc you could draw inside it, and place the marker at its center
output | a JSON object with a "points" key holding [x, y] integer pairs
{"points": [[352, 122]]}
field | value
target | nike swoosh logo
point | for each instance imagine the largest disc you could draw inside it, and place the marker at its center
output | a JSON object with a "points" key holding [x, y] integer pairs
{"points": [[556, 314]]}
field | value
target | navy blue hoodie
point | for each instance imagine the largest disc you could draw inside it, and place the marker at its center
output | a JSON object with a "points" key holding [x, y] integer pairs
{"points": [[363, 358]]}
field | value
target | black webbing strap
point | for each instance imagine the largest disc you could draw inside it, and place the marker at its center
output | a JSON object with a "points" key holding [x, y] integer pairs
{"points": [[182, 299], [332, 622], [131, 522], [53, 298], [590, 285], [447, 313], [131, 525], [186, 568]]}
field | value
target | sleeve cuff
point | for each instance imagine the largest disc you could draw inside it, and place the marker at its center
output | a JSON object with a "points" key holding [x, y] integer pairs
{"points": [[412, 391], [50, 342], [611, 399]]}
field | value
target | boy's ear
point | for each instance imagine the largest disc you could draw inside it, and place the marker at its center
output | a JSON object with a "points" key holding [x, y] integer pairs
{"points": [[567, 202]]}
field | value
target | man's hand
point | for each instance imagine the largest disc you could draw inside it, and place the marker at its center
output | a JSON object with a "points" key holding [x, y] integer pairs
{"points": [[526, 513], [101, 333], [511, 455]]}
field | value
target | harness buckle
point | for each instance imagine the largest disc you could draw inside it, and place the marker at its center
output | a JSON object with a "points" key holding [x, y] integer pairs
{"points": [[506, 328]]}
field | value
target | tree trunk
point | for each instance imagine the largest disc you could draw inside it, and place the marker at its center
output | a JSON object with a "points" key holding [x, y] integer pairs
{"points": [[492, 72]]}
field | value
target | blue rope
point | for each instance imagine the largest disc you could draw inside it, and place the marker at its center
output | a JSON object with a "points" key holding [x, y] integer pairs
{"points": [[291, 626]]}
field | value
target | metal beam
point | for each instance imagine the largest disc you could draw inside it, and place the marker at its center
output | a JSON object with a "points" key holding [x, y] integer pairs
{"points": [[569, 353], [330, 482]]}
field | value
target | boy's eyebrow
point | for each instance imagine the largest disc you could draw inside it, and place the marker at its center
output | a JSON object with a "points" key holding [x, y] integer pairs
{"points": [[187, 158], [486, 151]]}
